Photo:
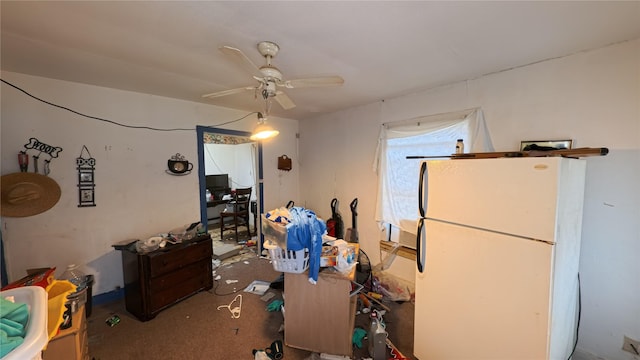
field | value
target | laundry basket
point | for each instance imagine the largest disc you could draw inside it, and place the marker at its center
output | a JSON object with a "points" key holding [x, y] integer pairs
{"points": [[36, 338], [287, 260]]}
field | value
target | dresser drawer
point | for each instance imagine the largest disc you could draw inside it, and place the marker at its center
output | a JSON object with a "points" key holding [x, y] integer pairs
{"points": [[162, 263], [201, 269], [173, 287]]}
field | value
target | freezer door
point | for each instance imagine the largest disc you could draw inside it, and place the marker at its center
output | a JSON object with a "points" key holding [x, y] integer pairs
{"points": [[519, 196], [482, 296]]}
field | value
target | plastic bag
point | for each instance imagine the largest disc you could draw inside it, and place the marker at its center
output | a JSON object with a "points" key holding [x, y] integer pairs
{"points": [[392, 287]]}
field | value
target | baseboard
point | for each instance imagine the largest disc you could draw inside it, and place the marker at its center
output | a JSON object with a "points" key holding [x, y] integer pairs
{"points": [[581, 354], [108, 297]]}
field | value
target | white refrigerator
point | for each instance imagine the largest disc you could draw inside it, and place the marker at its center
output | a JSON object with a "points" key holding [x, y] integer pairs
{"points": [[498, 249]]}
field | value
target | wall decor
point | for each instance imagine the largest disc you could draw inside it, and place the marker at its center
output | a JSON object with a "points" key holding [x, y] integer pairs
{"points": [[545, 145], [36, 145], [23, 161], [284, 163], [178, 165], [26, 194], [86, 180]]}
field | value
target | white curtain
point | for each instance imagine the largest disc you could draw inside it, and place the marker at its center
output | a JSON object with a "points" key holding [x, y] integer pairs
{"points": [[433, 135]]}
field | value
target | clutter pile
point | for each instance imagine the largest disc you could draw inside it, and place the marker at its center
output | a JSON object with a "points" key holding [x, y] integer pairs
{"points": [[295, 230], [297, 241], [65, 295]]}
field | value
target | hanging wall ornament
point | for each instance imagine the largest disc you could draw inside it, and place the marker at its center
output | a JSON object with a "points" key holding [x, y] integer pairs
{"points": [[178, 165], [35, 145], [23, 161], [284, 163], [86, 186]]}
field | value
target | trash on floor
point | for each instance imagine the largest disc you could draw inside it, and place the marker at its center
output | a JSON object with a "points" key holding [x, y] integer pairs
{"points": [[275, 305], [358, 335], [395, 353], [235, 311], [268, 296], [215, 263], [113, 320], [257, 287], [260, 355], [275, 350], [392, 287]]}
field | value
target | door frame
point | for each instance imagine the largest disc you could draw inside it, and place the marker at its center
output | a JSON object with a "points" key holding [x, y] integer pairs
{"points": [[200, 131]]}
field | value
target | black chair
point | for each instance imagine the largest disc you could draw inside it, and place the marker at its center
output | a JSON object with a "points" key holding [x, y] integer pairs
{"points": [[238, 211]]}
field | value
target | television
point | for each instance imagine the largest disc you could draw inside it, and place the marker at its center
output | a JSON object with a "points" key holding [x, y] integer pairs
{"points": [[218, 182]]}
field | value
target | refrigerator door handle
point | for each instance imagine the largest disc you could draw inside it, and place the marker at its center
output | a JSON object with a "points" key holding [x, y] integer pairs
{"points": [[422, 187], [420, 246]]}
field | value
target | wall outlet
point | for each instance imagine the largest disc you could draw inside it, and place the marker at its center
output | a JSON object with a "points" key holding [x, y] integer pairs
{"points": [[632, 346]]}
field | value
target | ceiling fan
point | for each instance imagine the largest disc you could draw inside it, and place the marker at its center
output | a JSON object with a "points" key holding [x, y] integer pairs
{"points": [[269, 78]]}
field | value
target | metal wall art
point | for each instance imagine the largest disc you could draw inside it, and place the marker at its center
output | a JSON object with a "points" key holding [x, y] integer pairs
{"points": [[86, 186], [179, 165], [36, 145]]}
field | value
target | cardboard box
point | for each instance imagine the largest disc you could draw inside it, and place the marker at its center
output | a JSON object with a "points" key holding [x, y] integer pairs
{"points": [[329, 256], [37, 277]]}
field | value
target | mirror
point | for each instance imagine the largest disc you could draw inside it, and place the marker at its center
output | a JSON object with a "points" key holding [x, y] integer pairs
{"points": [[228, 159]]}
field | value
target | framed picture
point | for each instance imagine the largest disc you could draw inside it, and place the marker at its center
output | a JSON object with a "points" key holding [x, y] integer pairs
{"points": [[86, 176], [545, 145], [86, 195]]}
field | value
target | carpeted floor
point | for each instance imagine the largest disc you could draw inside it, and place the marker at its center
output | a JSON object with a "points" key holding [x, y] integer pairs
{"points": [[196, 329]]}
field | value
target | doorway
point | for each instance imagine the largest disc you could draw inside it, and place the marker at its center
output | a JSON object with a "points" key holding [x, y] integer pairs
{"points": [[236, 160]]}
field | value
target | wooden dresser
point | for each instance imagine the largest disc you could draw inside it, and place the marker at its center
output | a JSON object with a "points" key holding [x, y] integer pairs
{"points": [[161, 278]]}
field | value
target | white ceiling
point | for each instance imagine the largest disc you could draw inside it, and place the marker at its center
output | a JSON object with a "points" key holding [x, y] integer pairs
{"points": [[381, 49]]}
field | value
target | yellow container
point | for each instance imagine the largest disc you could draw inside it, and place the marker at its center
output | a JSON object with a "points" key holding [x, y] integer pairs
{"points": [[57, 293]]}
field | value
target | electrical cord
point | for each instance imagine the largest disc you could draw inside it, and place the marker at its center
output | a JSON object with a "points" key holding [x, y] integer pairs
{"points": [[111, 121], [575, 344], [216, 284]]}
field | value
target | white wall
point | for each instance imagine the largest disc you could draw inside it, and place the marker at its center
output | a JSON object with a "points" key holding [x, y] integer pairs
{"points": [[591, 97], [237, 161], [135, 197]]}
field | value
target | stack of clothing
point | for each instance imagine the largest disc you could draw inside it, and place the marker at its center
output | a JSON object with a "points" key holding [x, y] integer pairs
{"points": [[13, 325]]}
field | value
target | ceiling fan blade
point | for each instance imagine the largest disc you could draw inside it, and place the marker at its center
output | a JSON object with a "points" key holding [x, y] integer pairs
{"points": [[228, 92], [314, 82], [284, 100], [241, 59]]}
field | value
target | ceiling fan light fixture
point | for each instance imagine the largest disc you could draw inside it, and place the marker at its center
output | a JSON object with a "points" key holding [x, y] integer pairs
{"points": [[263, 131], [269, 77]]}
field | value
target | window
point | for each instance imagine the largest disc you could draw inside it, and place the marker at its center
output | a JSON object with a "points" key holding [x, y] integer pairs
{"points": [[427, 136]]}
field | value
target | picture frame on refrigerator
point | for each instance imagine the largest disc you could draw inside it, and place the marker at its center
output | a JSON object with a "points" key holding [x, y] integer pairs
{"points": [[545, 145]]}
